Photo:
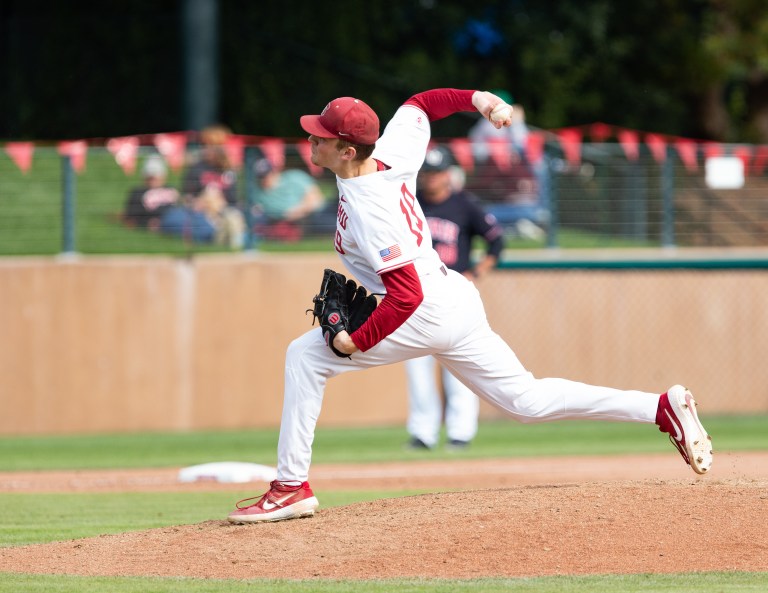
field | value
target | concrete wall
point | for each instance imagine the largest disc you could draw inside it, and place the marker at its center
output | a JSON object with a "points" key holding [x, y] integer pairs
{"points": [[129, 344]]}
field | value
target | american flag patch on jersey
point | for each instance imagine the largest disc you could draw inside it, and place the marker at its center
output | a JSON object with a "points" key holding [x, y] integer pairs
{"points": [[390, 253]]}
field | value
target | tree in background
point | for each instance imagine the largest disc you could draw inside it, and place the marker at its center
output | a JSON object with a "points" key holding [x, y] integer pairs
{"points": [[735, 41], [695, 68]]}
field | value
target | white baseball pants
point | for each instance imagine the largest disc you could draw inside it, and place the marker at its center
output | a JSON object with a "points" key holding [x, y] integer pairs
{"points": [[425, 403], [451, 325]]}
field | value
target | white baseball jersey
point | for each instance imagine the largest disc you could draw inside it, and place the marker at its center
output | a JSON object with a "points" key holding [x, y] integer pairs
{"points": [[380, 224]]}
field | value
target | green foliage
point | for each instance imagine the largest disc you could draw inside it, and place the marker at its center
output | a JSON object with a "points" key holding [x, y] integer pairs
{"points": [[735, 45], [650, 65], [89, 71]]}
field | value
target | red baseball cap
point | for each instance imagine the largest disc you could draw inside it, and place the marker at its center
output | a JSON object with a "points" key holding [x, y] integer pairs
{"points": [[345, 118]]}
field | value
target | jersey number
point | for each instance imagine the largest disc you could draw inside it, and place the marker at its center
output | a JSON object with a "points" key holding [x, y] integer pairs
{"points": [[408, 207]]}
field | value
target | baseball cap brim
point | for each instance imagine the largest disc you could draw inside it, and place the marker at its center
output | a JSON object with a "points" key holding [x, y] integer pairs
{"points": [[311, 125]]}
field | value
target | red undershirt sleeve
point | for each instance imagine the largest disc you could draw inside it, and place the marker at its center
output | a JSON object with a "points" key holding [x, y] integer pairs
{"points": [[440, 103], [403, 296]]}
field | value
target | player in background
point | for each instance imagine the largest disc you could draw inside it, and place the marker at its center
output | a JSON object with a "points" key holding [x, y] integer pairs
{"points": [[383, 240], [455, 218]]}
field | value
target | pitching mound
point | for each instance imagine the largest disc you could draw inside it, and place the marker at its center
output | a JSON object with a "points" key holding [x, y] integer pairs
{"points": [[598, 527]]}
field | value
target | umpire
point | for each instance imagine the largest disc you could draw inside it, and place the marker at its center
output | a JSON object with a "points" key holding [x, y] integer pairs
{"points": [[455, 218]]}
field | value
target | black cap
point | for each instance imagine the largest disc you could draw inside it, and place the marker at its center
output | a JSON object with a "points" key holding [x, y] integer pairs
{"points": [[438, 159], [262, 167]]}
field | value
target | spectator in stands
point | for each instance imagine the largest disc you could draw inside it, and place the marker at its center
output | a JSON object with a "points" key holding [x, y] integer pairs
{"points": [[157, 206], [145, 204], [210, 186], [283, 202], [515, 193], [455, 219]]}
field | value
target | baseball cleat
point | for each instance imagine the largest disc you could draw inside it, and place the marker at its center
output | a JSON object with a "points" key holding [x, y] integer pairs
{"points": [[457, 445], [677, 416], [416, 444], [282, 501]]}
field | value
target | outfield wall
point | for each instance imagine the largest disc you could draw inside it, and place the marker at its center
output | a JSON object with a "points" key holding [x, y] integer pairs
{"points": [[154, 344]]}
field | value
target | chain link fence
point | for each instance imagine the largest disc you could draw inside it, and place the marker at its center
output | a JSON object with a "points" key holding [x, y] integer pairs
{"points": [[602, 199]]}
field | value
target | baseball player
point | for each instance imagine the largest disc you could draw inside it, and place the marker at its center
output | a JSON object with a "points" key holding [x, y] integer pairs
{"points": [[384, 241], [454, 218]]}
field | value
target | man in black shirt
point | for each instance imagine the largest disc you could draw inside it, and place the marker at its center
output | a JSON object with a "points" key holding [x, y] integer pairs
{"points": [[455, 219]]}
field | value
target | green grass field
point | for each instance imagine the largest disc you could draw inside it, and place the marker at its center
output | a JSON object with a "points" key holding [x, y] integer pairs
{"points": [[355, 445], [730, 582], [38, 518]]}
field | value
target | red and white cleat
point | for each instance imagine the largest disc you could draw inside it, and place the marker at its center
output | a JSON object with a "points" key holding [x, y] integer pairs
{"points": [[677, 416], [283, 500]]}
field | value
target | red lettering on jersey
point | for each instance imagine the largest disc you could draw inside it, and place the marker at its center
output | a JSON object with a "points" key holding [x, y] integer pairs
{"points": [[337, 242], [341, 216], [408, 207]]}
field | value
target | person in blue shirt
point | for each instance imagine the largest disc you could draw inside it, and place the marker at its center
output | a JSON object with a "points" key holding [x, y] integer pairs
{"points": [[282, 201]]}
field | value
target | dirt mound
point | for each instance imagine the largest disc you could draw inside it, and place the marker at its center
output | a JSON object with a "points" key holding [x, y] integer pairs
{"points": [[598, 527]]}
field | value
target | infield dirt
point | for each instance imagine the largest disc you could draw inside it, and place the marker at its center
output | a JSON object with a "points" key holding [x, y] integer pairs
{"points": [[627, 514]]}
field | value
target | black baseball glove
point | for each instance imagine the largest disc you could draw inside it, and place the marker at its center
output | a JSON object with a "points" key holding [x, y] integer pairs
{"points": [[341, 305]]}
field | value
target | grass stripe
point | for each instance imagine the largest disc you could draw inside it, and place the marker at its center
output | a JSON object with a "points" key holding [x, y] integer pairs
{"points": [[707, 582], [360, 445]]}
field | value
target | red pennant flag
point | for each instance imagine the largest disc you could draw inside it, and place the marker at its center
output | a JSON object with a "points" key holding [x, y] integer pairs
{"points": [[76, 150], [570, 140], [687, 151], [600, 132], [630, 142], [760, 160], [500, 151], [21, 153], [712, 150], [534, 147], [305, 151], [172, 146], [234, 146], [658, 147], [274, 151], [124, 150], [745, 154], [462, 152]]}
